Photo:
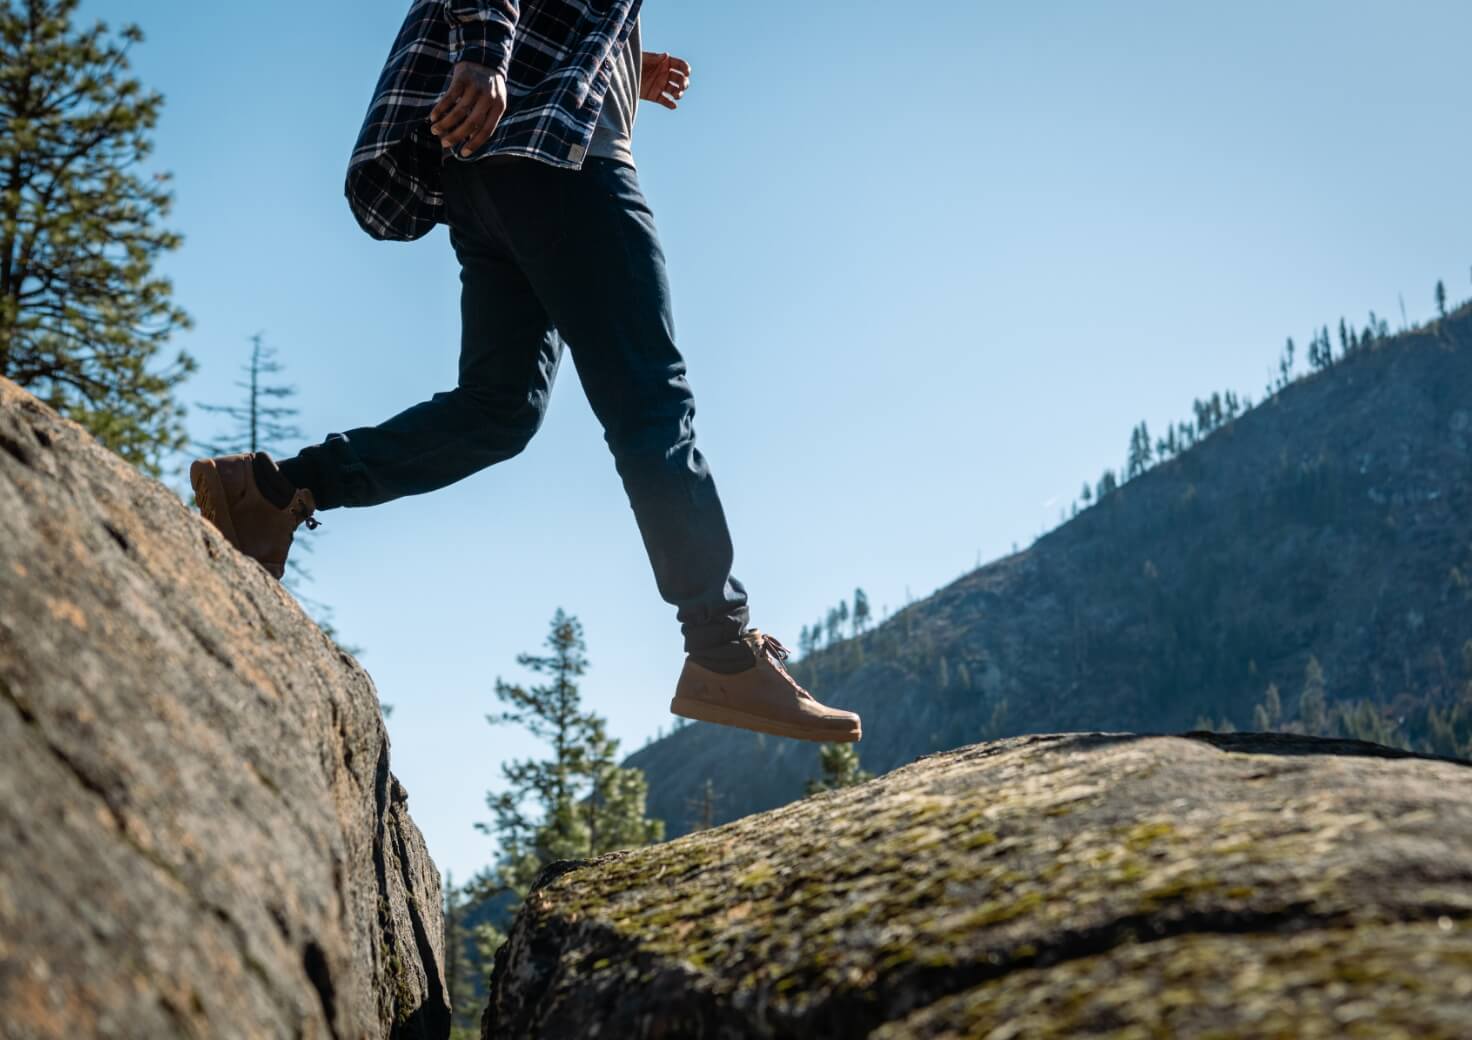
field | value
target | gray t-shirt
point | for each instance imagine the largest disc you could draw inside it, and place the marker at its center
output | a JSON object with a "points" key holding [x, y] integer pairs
{"points": [[613, 137]]}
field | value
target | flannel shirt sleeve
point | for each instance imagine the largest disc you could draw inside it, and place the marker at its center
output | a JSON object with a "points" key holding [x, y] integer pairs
{"points": [[481, 31]]}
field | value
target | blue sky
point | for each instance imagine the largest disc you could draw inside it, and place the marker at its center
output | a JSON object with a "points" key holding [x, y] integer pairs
{"points": [[928, 272]]}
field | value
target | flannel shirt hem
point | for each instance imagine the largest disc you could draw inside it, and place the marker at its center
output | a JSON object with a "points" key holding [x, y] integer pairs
{"points": [[558, 59]]}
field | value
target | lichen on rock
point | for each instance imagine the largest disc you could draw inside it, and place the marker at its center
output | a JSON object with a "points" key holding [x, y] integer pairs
{"points": [[1039, 886]]}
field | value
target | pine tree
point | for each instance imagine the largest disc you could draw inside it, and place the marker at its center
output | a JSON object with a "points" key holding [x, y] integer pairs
{"points": [[1285, 363], [262, 418], [1366, 721], [1313, 711], [1268, 716], [1440, 298], [576, 804], [613, 807], [861, 611], [1140, 455], [460, 969], [839, 767], [1449, 730], [703, 807], [834, 625], [996, 726], [83, 315], [1202, 411]]}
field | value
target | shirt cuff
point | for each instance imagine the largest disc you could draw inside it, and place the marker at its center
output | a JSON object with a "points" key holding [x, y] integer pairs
{"points": [[485, 42]]}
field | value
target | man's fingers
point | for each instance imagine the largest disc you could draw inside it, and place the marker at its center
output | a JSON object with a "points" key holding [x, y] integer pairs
{"points": [[452, 94], [680, 65], [666, 101], [452, 113], [487, 115], [452, 126]]}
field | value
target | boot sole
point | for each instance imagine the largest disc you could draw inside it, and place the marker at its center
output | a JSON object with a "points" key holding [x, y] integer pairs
{"points": [[700, 711], [209, 494]]}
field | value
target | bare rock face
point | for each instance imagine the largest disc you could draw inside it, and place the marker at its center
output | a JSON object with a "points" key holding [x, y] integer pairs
{"points": [[1245, 885], [199, 832]]}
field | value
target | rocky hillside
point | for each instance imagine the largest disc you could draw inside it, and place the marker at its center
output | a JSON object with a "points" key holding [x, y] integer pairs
{"points": [[199, 832], [1332, 521], [1056, 886]]}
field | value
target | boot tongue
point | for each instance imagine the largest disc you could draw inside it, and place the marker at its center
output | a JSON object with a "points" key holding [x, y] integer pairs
{"points": [[274, 486]]}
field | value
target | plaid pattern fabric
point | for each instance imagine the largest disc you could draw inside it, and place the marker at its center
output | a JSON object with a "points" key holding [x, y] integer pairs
{"points": [[557, 56]]}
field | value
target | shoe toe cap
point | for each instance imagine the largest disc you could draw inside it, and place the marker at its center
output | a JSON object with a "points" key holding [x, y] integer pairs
{"points": [[843, 722]]}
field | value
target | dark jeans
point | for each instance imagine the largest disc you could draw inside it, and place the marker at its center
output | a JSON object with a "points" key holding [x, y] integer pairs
{"points": [[551, 256]]}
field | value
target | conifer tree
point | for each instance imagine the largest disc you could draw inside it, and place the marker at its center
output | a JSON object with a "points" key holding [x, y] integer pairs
{"points": [[1440, 298], [83, 314], [838, 766], [1313, 711], [613, 807], [1140, 455], [1268, 715], [861, 611], [703, 807], [578, 803], [262, 419], [460, 969], [996, 724], [1285, 364]]}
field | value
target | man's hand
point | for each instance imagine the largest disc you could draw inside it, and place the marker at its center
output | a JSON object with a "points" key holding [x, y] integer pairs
{"points": [[472, 106], [664, 79]]}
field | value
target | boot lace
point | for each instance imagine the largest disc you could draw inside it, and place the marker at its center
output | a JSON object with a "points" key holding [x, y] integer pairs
{"points": [[775, 648], [304, 515], [776, 653]]}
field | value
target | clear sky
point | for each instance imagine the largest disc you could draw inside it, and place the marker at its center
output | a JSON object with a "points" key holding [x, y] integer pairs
{"points": [[930, 263]]}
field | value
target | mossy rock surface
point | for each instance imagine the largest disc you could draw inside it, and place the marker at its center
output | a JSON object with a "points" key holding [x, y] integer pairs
{"points": [[1089, 884]]}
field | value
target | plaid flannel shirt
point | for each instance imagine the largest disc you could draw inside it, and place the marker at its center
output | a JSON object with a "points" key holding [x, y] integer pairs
{"points": [[557, 57]]}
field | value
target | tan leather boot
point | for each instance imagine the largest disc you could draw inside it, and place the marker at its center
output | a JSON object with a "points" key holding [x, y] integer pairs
{"points": [[764, 698], [228, 496]]}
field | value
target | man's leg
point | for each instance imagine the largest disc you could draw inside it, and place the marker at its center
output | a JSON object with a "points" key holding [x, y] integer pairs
{"points": [[593, 258], [508, 359], [588, 247]]}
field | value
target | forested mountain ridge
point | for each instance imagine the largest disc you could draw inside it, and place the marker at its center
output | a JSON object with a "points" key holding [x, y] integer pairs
{"points": [[1332, 523]]}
